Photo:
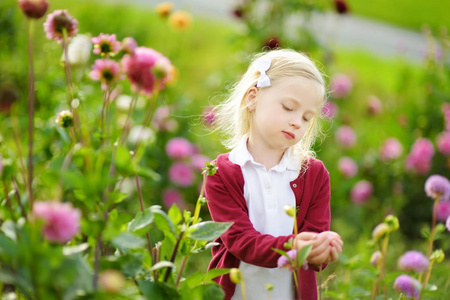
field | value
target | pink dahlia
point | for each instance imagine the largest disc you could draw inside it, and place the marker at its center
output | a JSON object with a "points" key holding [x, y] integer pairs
{"points": [[408, 286], [106, 44], [443, 142], [140, 69], [438, 186], [341, 85], [419, 159], [181, 174], [106, 71], [345, 136], [347, 167], [59, 21], [391, 149], [361, 192], [330, 109], [33, 9], [198, 161], [179, 148], [61, 220], [128, 45], [443, 211], [171, 197], [413, 261]]}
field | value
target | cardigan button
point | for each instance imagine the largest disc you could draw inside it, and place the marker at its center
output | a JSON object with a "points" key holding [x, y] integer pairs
{"points": [[294, 185]]}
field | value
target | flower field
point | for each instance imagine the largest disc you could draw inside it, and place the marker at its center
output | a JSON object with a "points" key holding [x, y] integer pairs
{"points": [[107, 133]]}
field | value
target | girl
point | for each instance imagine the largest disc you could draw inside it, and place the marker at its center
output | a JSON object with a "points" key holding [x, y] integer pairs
{"points": [[270, 122]]}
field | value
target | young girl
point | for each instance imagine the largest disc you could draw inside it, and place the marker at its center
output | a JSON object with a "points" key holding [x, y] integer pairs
{"points": [[270, 123]]}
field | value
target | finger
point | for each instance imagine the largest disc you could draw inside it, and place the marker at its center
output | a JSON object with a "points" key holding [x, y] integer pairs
{"points": [[337, 246], [320, 258], [320, 249], [333, 254], [307, 235]]}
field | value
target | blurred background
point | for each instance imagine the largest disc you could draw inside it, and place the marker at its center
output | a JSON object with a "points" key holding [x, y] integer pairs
{"points": [[387, 125]]}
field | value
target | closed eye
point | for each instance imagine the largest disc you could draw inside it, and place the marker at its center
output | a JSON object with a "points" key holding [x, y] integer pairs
{"points": [[287, 108]]}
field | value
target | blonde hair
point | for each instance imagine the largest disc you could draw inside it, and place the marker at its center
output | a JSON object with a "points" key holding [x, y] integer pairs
{"points": [[232, 117]]}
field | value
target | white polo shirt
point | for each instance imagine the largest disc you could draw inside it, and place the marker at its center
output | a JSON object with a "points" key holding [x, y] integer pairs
{"points": [[266, 193]]}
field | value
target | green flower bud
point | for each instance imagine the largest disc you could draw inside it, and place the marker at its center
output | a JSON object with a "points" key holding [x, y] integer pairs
{"points": [[290, 210], [392, 221], [269, 286], [438, 256], [235, 275], [380, 231], [210, 168]]}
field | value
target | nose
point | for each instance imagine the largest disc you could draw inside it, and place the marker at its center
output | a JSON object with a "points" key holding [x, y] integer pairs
{"points": [[295, 123]]}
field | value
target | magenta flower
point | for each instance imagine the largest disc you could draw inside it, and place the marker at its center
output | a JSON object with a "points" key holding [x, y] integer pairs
{"points": [[341, 85], [173, 196], [347, 167], [443, 142], [345, 136], [208, 116], [419, 159], [413, 261], [374, 105], [139, 68], [33, 9], [361, 192], [106, 71], [438, 186], [181, 174], [408, 286], [443, 211], [106, 44], [283, 261], [391, 149], [57, 22], [61, 220], [129, 45], [198, 161], [330, 109], [179, 148]]}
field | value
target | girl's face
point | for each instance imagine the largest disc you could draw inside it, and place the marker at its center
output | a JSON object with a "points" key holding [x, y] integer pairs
{"points": [[282, 112]]}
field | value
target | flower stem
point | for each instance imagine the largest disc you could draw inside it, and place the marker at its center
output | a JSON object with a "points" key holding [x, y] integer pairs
{"points": [[127, 122], [320, 282], [30, 112], [198, 205], [297, 286], [433, 227], [174, 254], [427, 278]]}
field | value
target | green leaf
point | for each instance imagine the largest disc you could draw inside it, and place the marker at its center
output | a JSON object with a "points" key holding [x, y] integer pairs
{"points": [[142, 219], [162, 265], [158, 290], [123, 161], [162, 221], [128, 240], [303, 253], [213, 273], [208, 230], [175, 214], [75, 249], [148, 173]]}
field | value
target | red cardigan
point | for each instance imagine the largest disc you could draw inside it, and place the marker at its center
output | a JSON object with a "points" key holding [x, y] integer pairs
{"points": [[226, 202]]}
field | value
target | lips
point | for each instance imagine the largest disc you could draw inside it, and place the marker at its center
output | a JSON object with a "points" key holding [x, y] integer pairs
{"points": [[289, 135]]}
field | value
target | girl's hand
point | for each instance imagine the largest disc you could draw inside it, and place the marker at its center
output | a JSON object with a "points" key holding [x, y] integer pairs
{"points": [[326, 248]]}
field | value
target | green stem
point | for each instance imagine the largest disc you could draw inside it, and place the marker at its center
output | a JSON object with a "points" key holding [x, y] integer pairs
{"points": [[320, 282], [174, 255], [433, 227], [127, 122], [198, 206], [427, 278], [297, 286], [30, 112]]}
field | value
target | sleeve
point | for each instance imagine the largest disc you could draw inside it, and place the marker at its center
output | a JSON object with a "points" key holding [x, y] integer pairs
{"points": [[227, 204]]}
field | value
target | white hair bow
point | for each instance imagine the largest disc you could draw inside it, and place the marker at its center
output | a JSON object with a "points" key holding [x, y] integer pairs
{"points": [[262, 65]]}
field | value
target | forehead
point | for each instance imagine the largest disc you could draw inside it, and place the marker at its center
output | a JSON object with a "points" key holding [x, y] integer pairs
{"points": [[302, 90]]}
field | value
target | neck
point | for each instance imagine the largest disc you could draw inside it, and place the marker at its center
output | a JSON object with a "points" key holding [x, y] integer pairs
{"points": [[268, 158]]}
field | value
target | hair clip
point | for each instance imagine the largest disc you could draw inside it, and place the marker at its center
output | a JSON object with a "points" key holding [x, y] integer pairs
{"points": [[262, 65]]}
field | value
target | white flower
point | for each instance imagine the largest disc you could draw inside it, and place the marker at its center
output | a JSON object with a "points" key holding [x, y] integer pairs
{"points": [[141, 134], [79, 50]]}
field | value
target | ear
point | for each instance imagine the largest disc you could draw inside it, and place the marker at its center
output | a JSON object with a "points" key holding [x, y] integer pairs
{"points": [[250, 98]]}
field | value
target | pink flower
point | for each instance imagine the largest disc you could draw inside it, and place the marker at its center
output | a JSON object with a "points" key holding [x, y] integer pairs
{"points": [[443, 211], [375, 259], [361, 192], [139, 69], [56, 22], [106, 44], [413, 261], [447, 223], [181, 174], [198, 161], [419, 159], [208, 116], [341, 85], [391, 149], [345, 136], [162, 121], [330, 109], [61, 220], [179, 148], [437, 186], [173, 196], [106, 71], [347, 167], [283, 261], [408, 286], [129, 45], [34, 9], [374, 105], [443, 142]]}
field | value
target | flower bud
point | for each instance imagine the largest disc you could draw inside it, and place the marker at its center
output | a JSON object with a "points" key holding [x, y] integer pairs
{"points": [[376, 258], [438, 256], [392, 221], [380, 231], [112, 281], [64, 119], [164, 9], [33, 9], [269, 286], [290, 210], [235, 275]]}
